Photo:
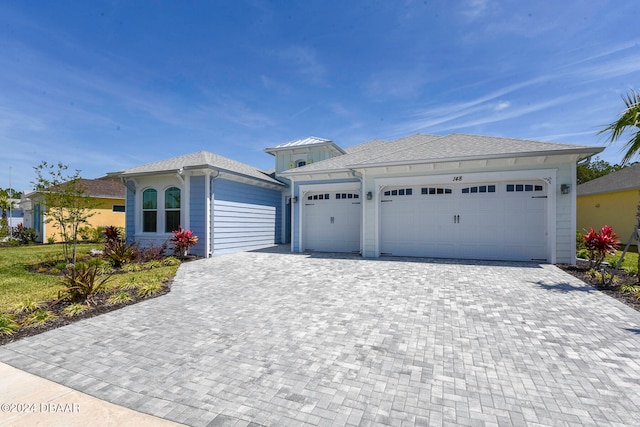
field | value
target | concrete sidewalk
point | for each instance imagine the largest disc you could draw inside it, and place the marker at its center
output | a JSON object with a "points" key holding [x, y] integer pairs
{"points": [[28, 400]]}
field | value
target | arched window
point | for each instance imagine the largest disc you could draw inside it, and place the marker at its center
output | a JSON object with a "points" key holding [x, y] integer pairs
{"points": [[300, 163], [150, 211], [171, 209]]}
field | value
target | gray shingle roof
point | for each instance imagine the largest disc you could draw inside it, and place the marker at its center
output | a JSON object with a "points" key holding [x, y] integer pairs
{"points": [[625, 179], [426, 148], [421, 148], [104, 187], [201, 159]]}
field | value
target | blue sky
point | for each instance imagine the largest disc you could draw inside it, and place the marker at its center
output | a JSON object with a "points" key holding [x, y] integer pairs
{"points": [[102, 86]]}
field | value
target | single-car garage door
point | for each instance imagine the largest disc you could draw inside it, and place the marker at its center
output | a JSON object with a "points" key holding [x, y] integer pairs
{"points": [[495, 221], [331, 221]]}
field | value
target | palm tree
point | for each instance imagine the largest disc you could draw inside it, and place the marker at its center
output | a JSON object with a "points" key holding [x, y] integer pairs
{"points": [[5, 204], [628, 122]]}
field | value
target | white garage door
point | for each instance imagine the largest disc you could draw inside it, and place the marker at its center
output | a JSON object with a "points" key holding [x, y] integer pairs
{"points": [[331, 222], [495, 221]]}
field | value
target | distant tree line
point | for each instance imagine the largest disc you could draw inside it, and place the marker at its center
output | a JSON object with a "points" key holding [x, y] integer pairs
{"points": [[595, 169], [10, 192]]}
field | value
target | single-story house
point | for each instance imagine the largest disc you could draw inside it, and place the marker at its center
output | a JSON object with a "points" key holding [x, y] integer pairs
{"points": [[108, 208], [611, 200], [229, 205], [453, 196]]}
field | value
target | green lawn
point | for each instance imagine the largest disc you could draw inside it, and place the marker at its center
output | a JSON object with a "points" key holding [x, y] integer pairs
{"points": [[18, 284], [630, 263]]}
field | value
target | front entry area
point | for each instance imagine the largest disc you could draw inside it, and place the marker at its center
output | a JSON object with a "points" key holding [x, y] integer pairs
{"points": [[331, 221], [492, 221]]}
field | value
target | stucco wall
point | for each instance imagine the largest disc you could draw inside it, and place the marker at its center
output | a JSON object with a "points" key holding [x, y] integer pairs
{"points": [[103, 215], [616, 209]]}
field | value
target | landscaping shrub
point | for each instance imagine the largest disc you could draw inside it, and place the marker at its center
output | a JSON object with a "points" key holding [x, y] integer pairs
{"points": [[74, 309], [8, 324], [26, 306], [92, 234], [600, 244], [116, 249], [80, 283], [39, 317], [182, 240], [149, 289], [149, 253], [25, 235], [119, 297], [583, 253]]}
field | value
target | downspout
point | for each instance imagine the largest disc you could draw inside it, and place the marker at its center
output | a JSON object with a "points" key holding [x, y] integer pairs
{"points": [[292, 216], [131, 185], [363, 197], [209, 206]]}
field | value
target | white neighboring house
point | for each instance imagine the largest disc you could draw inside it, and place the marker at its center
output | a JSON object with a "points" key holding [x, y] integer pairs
{"points": [[15, 215]]}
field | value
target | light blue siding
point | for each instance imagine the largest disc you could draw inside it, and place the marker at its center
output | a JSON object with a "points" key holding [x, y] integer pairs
{"points": [[244, 217], [130, 216], [198, 214]]}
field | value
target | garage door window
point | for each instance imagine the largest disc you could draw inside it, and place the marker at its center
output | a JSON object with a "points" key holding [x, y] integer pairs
{"points": [[435, 190], [347, 195], [399, 192], [318, 197], [523, 187], [479, 189]]}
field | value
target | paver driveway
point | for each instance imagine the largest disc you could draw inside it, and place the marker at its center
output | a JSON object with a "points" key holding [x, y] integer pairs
{"points": [[281, 339]]}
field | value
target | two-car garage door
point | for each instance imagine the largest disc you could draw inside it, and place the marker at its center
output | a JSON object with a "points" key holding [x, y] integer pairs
{"points": [[492, 220], [501, 221]]}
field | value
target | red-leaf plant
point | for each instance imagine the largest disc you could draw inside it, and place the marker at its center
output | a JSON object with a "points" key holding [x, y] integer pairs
{"points": [[182, 240], [600, 244]]}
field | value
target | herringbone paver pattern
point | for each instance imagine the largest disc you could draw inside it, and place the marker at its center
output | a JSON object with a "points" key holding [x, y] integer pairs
{"points": [[267, 338]]}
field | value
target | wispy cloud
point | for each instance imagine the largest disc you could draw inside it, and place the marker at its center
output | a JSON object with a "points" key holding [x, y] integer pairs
{"points": [[474, 9], [396, 83], [434, 116], [502, 106], [238, 113], [303, 60]]}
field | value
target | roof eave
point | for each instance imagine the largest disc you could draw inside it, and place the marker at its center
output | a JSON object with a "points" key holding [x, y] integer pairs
{"points": [[123, 174], [273, 150], [293, 172], [588, 152]]}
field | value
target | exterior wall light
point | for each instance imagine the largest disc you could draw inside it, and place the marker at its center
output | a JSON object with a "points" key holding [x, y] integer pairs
{"points": [[565, 188], [369, 195], [294, 199]]}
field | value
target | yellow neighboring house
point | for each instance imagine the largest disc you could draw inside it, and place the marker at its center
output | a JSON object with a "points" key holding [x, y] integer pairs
{"points": [[108, 196], [610, 200]]}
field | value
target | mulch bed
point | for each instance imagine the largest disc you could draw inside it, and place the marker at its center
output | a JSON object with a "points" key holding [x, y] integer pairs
{"points": [[99, 307], [580, 271]]}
